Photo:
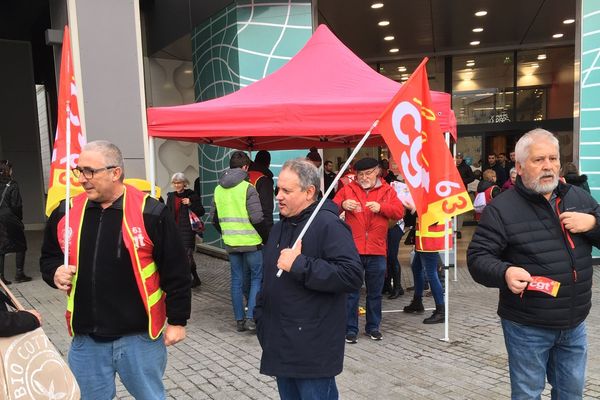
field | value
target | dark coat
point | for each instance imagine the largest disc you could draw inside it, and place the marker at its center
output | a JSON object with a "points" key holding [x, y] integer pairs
{"points": [[183, 219], [521, 228], [466, 173], [265, 186], [15, 322], [301, 316], [12, 231], [578, 180]]}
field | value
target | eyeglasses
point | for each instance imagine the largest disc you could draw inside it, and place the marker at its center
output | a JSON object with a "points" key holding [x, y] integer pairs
{"points": [[89, 172], [368, 172]]}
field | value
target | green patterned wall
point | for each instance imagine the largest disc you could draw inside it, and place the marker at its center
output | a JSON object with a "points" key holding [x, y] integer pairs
{"points": [[589, 137], [243, 43]]}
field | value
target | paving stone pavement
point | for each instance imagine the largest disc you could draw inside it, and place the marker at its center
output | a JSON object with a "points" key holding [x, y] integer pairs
{"points": [[411, 362]]}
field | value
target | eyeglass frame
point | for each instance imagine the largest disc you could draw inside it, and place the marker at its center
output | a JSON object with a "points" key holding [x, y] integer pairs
{"points": [[83, 171], [365, 173]]}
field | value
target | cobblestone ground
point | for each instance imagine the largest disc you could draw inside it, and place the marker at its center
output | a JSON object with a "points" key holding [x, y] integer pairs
{"points": [[411, 362]]}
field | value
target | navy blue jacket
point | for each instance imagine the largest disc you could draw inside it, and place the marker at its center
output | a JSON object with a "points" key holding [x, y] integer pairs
{"points": [[301, 316], [520, 227]]}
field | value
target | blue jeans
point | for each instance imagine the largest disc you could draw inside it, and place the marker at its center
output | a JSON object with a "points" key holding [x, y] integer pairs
{"points": [[429, 260], [139, 361], [254, 261], [374, 276], [534, 353], [307, 389]]}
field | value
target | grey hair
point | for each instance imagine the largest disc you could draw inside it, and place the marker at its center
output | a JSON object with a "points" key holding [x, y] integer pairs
{"points": [[308, 174], [512, 170], [523, 145], [180, 177], [111, 153]]}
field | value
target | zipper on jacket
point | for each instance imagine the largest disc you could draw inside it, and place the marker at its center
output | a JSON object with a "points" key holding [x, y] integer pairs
{"points": [[568, 241], [94, 262]]}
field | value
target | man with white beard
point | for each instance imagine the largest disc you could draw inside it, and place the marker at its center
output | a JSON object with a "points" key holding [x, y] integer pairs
{"points": [[534, 243]]}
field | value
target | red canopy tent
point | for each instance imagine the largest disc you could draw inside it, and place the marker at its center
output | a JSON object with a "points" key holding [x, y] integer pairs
{"points": [[325, 96]]}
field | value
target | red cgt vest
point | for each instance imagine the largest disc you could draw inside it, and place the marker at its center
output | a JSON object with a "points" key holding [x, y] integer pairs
{"points": [[433, 238], [139, 246]]}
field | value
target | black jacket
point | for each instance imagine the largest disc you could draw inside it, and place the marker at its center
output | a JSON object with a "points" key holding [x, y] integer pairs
{"points": [[12, 232], [15, 322], [265, 186], [578, 180], [107, 301], [482, 186], [501, 173], [521, 228], [301, 316], [466, 173], [183, 219]]}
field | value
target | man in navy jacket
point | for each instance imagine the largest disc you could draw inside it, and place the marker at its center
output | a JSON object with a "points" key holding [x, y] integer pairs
{"points": [[301, 315]]}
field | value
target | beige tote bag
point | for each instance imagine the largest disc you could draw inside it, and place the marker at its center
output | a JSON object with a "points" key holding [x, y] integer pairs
{"points": [[32, 368]]}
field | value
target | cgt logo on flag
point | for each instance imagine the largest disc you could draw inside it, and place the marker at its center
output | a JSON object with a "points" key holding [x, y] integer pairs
{"points": [[411, 131]]}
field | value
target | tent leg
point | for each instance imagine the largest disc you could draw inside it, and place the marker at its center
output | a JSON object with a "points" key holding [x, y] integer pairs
{"points": [[152, 167]]}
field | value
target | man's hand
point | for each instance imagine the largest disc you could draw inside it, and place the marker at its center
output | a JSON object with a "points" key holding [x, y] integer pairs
{"points": [[373, 206], [36, 314], [63, 277], [288, 256], [174, 334], [576, 222], [350, 205], [517, 279]]}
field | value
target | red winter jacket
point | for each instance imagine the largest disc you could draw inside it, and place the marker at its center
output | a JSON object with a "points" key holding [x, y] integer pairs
{"points": [[369, 229]]}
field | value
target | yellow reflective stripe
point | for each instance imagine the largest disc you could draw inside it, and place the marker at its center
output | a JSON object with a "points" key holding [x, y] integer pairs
{"points": [[154, 298], [149, 270]]}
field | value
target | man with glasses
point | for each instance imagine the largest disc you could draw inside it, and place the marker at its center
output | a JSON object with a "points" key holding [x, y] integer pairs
{"points": [[369, 204], [127, 279]]}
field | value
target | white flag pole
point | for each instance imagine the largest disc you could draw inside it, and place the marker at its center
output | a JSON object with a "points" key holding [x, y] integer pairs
{"points": [[332, 186], [454, 230], [68, 185], [446, 268], [152, 167]]}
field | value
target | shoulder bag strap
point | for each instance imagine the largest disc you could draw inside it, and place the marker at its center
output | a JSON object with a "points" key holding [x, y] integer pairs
{"points": [[4, 192], [12, 299]]}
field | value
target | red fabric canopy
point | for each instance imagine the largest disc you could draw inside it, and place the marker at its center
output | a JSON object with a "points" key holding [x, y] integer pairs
{"points": [[325, 96]]}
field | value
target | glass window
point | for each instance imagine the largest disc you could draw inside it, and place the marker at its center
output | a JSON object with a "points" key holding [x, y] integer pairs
{"points": [[401, 70], [545, 84], [482, 88]]}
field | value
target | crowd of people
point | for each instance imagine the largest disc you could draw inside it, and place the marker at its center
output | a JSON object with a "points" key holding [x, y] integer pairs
{"points": [[129, 278]]}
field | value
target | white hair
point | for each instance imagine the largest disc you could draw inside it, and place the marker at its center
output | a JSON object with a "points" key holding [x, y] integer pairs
{"points": [[523, 145], [180, 177]]}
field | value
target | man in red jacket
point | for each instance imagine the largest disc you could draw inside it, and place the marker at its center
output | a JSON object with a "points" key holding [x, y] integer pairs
{"points": [[369, 203]]}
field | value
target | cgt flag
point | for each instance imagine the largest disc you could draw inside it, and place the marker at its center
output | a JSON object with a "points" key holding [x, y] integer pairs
{"points": [[68, 124], [412, 133]]}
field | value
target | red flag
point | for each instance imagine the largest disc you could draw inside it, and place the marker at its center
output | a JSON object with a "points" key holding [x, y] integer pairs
{"points": [[60, 169], [412, 133]]}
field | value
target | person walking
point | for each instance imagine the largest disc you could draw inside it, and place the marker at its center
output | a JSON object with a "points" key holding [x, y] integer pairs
{"points": [[127, 279], [12, 231], [180, 202], [534, 243], [301, 315]]}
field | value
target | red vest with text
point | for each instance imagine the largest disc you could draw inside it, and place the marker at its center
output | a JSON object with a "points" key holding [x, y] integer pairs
{"points": [[139, 246], [254, 176]]}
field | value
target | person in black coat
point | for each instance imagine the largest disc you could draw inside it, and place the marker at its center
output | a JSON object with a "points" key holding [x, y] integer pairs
{"points": [[570, 172], [301, 315], [180, 203], [12, 231], [534, 243], [16, 322]]}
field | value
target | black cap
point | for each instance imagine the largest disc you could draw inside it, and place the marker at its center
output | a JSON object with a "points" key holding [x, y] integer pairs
{"points": [[365, 163]]}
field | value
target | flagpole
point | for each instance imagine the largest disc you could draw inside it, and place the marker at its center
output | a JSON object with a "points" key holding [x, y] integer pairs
{"points": [[67, 185], [332, 186], [454, 230], [152, 167], [446, 268]]}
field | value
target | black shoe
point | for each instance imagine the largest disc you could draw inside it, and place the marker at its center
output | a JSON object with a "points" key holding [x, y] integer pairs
{"points": [[4, 280], [351, 338], [458, 235], [241, 325], [21, 277], [397, 292], [375, 335], [415, 306], [250, 325], [438, 316]]}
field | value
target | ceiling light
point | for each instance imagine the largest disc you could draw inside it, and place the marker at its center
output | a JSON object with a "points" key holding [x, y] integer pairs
{"points": [[383, 23], [404, 78], [388, 38], [404, 74], [470, 61], [481, 13], [402, 68], [470, 64], [535, 65], [477, 30], [541, 57], [557, 35], [394, 50], [187, 71], [376, 5], [568, 21], [475, 43]]}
